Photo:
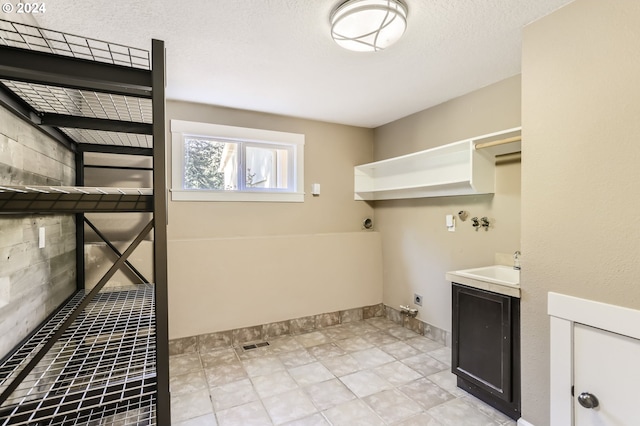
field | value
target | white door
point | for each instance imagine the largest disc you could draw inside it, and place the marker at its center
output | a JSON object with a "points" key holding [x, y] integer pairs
{"points": [[607, 366]]}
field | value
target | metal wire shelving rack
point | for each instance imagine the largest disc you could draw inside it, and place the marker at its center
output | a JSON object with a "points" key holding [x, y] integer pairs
{"points": [[102, 357]]}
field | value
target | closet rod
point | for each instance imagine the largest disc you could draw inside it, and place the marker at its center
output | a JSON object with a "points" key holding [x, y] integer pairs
{"points": [[498, 142]]}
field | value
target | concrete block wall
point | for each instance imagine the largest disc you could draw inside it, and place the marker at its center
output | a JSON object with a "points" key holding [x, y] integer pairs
{"points": [[33, 281]]}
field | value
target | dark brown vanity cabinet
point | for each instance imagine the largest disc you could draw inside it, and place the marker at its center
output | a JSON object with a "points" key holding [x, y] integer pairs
{"points": [[486, 347]]}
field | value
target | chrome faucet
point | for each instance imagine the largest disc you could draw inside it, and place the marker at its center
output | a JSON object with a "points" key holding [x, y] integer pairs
{"points": [[516, 260]]}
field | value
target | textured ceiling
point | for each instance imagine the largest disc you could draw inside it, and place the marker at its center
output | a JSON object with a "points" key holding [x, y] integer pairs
{"points": [[277, 55]]}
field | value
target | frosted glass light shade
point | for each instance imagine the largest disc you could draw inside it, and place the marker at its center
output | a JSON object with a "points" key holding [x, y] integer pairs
{"points": [[368, 25]]}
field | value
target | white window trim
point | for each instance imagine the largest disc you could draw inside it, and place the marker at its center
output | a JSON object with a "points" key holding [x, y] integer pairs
{"points": [[180, 128]]}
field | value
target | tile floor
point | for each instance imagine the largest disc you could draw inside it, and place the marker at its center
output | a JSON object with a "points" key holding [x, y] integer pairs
{"points": [[370, 372]]}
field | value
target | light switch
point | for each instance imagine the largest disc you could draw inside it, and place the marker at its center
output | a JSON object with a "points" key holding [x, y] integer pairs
{"points": [[41, 237], [315, 189], [451, 223]]}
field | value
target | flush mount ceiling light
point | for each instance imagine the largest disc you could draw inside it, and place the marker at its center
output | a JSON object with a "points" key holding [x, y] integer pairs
{"points": [[368, 25]]}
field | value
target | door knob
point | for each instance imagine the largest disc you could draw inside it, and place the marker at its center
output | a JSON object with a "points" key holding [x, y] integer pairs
{"points": [[588, 400]]}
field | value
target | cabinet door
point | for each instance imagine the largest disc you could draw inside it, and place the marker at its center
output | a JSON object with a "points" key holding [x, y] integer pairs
{"points": [[606, 366], [482, 340]]}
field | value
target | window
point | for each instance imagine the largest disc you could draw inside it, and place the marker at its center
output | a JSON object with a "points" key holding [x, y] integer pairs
{"points": [[225, 163]]}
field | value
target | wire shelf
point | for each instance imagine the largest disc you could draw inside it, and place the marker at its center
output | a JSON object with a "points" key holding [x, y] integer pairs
{"points": [[82, 103], [138, 413], [44, 98], [101, 370], [74, 199], [101, 137], [74, 190], [14, 34]]}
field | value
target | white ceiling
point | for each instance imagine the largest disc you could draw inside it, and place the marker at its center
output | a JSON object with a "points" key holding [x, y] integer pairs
{"points": [[277, 55]]}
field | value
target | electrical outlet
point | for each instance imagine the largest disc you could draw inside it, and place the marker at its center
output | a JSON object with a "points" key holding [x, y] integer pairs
{"points": [[417, 299]]}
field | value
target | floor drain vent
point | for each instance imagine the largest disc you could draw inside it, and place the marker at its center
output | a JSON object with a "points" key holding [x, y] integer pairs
{"points": [[255, 346]]}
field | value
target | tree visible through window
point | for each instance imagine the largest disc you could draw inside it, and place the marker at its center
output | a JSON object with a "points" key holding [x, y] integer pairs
{"points": [[202, 159]]}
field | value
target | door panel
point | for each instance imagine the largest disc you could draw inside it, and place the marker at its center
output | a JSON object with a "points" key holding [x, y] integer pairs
{"points": [[481, 350], [606, 365]]}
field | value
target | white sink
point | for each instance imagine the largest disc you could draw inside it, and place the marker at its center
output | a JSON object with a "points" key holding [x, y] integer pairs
{"points": [[497, 274]]}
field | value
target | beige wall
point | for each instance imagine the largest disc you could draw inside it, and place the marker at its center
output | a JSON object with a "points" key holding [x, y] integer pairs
{"points": [[234, 264], [581, 159], [219, 284], [417, 248]]}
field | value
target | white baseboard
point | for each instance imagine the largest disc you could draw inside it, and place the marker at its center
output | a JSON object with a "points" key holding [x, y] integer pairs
{"points": [[523, 422]]}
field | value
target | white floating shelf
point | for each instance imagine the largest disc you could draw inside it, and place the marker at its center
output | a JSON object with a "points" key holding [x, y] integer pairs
{"points": [[454, 169]]}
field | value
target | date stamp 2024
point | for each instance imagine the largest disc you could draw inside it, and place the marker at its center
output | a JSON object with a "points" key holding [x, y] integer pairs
{"points": [[28, 8]]}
